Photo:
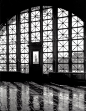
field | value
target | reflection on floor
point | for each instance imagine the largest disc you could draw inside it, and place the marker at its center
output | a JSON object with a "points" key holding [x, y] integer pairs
{"points": [[30, 96]]}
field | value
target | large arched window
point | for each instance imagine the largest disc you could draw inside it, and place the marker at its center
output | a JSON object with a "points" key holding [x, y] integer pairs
{"points": [[63, 44], [36, 24], [47, 40], [11, 31], [24, 41], [77, 44], [3, 49]]}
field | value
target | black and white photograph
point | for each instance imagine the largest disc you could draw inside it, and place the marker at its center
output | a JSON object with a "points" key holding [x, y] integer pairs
{"points": [[42, 55]]}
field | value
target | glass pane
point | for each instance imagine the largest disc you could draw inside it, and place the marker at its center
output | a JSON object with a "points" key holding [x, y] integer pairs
{"points": [[47, 39], [35, 57], [12, 67], [47, 68], [77, 67], [62, 12], [3, 67], [25, 68], [35, 24], [63, 67]]}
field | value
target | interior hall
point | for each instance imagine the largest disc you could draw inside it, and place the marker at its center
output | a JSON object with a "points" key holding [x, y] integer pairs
{"points": [[42, 55]]}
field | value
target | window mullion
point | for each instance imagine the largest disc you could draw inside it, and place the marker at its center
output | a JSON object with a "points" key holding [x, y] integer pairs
{"points": [[30, 38], [55, 55], [41, 35], [85, 47], [70, 42], [18, 41], [7, 32]]}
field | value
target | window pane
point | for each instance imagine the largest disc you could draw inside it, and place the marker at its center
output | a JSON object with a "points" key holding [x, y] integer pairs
{"points": [[35, 57], [24, 68], [35, 24], [47, 40], [63, 42]]}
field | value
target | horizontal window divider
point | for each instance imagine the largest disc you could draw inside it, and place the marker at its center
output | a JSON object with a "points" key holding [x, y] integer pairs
{"points": [[77, 51], [47, 41], [47, 30], [62, 17], [78, 39], [3, 44], [24, 63], [12, 34], [3, 36], [47, 63], [35, 21], [11, 24], [34, 31], [77, 27], [24, 53], [48, 19], [62, 29], [62, 40], [77, 63], [3, 63], [23, 23], [63, 51], [47, 52]]}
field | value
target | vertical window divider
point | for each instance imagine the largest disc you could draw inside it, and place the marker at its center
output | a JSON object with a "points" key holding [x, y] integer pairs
{"points": [[18, 41], [85, 49], [29, 38], [55, 55], [41, 36], [7, 35], [70, 42]]}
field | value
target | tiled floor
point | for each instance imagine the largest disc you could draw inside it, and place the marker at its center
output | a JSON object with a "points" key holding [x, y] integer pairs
{"points": [[33, 97]]}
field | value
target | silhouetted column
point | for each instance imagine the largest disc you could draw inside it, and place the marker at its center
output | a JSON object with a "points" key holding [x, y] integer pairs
{"points": [[30, 38], [7, 33], [85, 38], [18, 42], [85, 48], [55, 40], [70, 42], [41, 37]]}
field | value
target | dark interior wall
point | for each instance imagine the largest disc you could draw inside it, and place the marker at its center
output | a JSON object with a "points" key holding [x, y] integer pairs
{"points": [[9, 8]]}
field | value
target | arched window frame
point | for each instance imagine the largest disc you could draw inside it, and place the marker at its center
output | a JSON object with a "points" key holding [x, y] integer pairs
{"points": [[63, 61]]}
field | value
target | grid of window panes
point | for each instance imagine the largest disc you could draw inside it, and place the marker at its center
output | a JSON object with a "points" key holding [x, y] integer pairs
{"points": [[3, 51], [63, 55], [77, 44], [24, 41], [12, 44], [35, 24], [47, 40]]}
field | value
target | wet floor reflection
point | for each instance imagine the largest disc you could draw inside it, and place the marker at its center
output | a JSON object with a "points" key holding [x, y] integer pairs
{"points": [[63, 104], [78, 101], [13, 98], [3, 98], [36, 104], [34, 97], [25, 98], [48, 99]]}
